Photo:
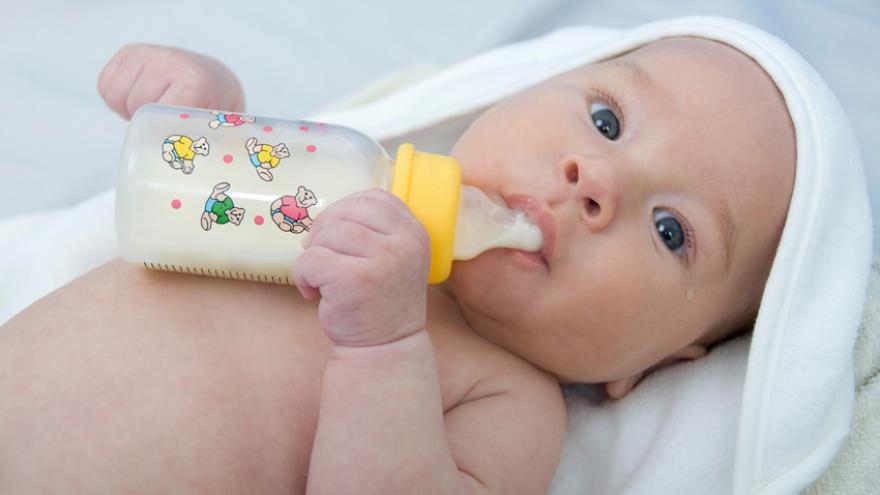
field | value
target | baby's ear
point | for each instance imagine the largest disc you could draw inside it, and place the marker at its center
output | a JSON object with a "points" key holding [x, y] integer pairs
{"points": [[619, 388]]}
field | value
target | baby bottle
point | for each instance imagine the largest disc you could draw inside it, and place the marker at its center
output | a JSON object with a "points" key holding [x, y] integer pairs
{"points": [[231, 195]]}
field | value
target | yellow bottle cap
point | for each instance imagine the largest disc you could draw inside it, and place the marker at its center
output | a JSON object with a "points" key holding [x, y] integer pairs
{"points": [[430, 185]]}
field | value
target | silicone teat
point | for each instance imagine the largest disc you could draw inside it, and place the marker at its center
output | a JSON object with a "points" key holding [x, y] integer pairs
{"points": [[461, 221], [483, 224]]}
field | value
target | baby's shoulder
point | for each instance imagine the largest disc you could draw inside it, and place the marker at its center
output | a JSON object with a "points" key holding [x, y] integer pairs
{"points": [[499, 403], [472, 367]]}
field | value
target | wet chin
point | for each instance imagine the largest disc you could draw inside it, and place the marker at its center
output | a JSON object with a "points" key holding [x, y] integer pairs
{"points": [[487, 285], [476, 276]]}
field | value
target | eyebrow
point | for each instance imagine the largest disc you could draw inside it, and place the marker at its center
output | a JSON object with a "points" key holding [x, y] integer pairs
{"points": [[634, 71], [727, 232]]}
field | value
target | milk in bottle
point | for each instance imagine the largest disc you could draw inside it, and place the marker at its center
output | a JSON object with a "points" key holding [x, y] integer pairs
{"points": [[231, 195]]}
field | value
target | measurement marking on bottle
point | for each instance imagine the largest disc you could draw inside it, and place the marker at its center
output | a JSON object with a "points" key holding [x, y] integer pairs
{"points": [[214, 272]]}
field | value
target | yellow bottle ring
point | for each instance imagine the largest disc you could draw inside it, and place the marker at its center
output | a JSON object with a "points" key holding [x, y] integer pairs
{"points": [[430, 185]]}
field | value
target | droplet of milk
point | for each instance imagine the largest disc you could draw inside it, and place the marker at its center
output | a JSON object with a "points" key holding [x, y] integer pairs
{"points": [[690, 293]]}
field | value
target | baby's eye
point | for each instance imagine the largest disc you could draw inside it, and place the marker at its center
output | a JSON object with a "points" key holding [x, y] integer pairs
{"points": [[670, 230], [605, 120]]}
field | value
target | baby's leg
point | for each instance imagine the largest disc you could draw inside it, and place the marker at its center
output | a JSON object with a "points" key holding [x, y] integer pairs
{"points": [[129, 381]]}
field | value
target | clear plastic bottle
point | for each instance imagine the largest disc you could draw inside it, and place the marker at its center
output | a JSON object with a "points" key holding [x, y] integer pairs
{"points": [[225, 194]]}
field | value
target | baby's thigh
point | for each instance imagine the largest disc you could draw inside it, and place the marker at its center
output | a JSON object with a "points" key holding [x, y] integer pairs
{"points": [[130, 381]]}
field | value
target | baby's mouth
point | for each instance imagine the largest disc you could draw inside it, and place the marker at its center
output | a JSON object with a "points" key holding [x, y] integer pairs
{"points": [[538, 213]]}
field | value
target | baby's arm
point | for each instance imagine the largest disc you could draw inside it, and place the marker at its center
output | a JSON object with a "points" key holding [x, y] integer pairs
{"points": [[382, 428], [139, 74]]}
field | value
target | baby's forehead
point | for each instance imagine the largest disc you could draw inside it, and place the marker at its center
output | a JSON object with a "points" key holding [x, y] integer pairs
{"points": [[687, 45], [688, 63], [693, 54]]}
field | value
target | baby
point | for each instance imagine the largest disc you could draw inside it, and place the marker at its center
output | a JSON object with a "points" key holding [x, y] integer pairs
{"points": [[660, 180]]}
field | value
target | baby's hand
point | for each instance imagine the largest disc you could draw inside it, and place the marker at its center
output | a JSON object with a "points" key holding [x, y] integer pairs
{"points": [[368, 257], [139, 74]]}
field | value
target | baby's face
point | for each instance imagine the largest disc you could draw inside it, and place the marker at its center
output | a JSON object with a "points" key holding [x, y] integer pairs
{"points": [[661, 179]]}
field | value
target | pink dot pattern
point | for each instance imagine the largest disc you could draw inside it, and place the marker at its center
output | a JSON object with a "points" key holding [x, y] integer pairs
{"points": [[227, 158]]}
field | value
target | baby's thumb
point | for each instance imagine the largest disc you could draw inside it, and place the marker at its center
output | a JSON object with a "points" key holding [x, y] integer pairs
{"points": [[308, 292], [302, 285]]}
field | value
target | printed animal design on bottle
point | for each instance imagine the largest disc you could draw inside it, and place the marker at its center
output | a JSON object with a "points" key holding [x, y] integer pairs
{"points": [[179, 152], [265, 157], [229, 120], [220, 209], [290, 213]]}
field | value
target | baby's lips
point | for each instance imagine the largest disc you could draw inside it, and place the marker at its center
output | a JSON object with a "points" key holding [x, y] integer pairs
{"points": [[538, 212]]}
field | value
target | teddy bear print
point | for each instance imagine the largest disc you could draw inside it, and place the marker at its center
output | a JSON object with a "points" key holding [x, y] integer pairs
{"points": [[229, 120], [291, 214], [220, 209], [179, 152], [265, 157]]}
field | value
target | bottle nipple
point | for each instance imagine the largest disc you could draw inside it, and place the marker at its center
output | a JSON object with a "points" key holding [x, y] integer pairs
{"points": [[482, 225]]}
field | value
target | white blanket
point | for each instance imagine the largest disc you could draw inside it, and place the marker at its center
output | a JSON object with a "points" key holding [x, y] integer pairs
{"points": [[765, 416]]}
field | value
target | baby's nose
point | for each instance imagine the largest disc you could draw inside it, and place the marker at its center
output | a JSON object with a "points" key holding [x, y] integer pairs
{"points": [[595, 186]]}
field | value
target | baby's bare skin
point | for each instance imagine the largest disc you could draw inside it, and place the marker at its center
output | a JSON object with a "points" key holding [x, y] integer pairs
{"points": [[153, 382]]}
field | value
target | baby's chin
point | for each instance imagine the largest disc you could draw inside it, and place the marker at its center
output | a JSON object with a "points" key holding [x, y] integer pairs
{"points": [[491, 295]]}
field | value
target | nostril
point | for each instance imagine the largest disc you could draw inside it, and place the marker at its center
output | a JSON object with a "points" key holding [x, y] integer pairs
{"points": [[571, 173], [593, 207]]}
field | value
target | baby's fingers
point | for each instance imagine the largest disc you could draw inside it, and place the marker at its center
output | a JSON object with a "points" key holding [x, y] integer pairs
{"points": [[118, 77], [375, 209], [315, 268], [188, 95], [145, 90], [347, 238]]}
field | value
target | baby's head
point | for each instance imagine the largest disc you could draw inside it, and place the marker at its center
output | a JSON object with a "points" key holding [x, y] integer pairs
{"points": [[661, 179]]}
